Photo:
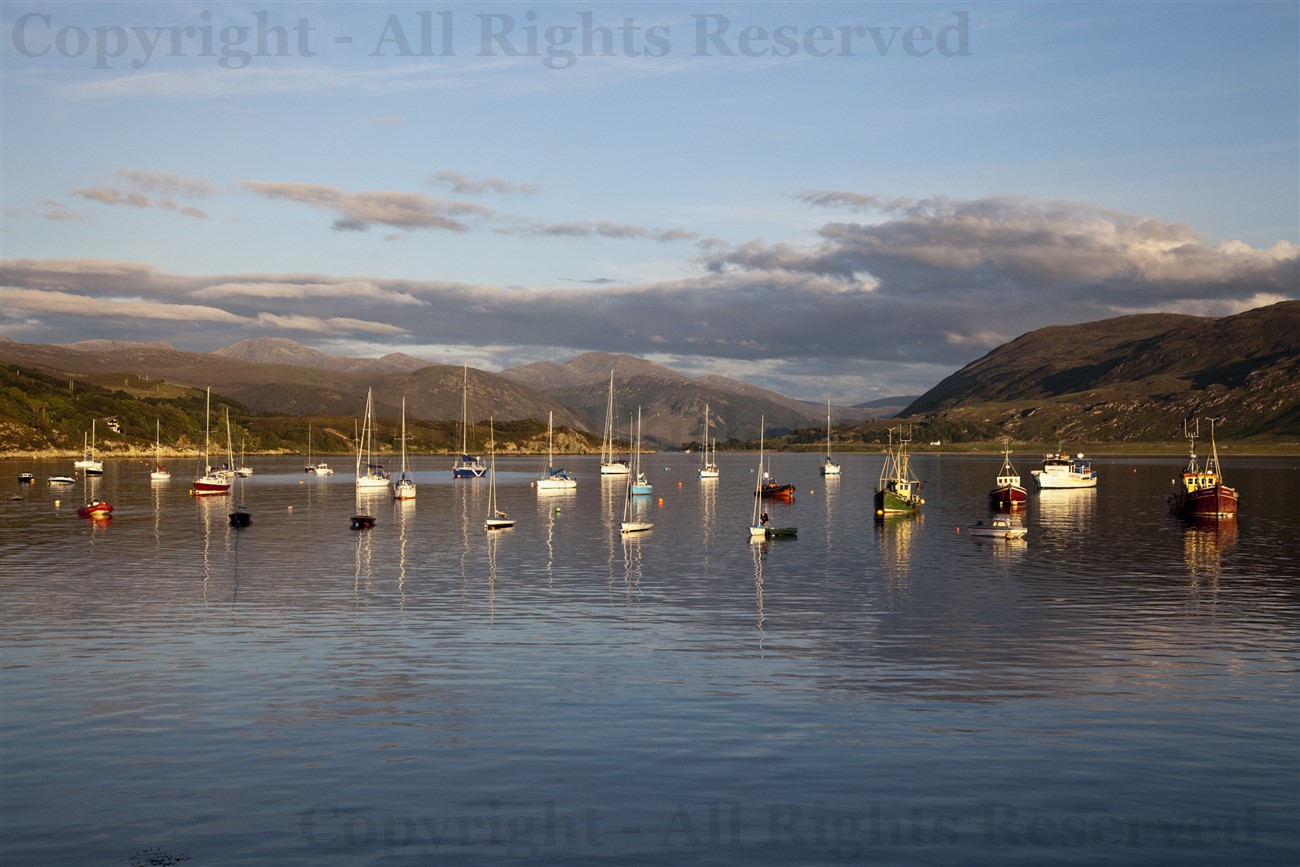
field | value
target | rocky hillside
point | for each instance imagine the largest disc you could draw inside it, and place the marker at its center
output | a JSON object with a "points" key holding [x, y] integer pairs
{"points": [[1134, 378]]}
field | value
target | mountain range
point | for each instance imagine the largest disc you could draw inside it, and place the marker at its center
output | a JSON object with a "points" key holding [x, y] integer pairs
{"points": [[284, 377], [1126, 379], [1133, 378]]}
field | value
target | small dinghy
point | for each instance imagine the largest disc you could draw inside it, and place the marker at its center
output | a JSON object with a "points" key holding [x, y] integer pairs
{"points": [[363, 522], [241, 517], [95, 509]]}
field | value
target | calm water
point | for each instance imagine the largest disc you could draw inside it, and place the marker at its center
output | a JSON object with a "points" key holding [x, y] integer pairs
{"points": [[1120, 688]]}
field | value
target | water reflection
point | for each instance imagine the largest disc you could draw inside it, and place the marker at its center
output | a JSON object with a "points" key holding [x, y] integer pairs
{"points": [[1066, 514], [633, 567], [1205, 540], [405, 521], [758, 548], [897, 534]]}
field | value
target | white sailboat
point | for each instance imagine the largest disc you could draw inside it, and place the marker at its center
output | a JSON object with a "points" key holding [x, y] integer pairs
{"points": [[243, 470], [88, 463], [638, 484], [757, 522], [553, 479], [404, 488], [160, 472], [212, 481], [609, 464], [632, 523], [468, 466], [496, 519], [374, 476], [829, 467], [709, 466]]}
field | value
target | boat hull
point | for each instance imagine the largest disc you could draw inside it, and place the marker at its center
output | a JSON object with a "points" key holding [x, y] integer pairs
{"points": [[635, 526], [830, 469], [1218, 501], [211, 486], [1008, 497], [404, 490], [777, 492], [615, 469], [468, 471], [95, 510], [1058, 481], [890, 503]]}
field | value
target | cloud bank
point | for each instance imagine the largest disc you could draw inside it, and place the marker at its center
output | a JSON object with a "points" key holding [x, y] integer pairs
{"points": [[929, 286]]}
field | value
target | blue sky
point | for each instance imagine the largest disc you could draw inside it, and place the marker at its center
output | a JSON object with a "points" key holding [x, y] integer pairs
{"points": [[793, 202]]}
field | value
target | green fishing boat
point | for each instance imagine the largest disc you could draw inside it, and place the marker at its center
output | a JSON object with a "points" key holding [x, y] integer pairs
{"points": [[899, 491]]}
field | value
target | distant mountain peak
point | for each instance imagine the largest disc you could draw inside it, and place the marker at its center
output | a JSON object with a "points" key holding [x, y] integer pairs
{"points": [[113, 345], [282, 350]]}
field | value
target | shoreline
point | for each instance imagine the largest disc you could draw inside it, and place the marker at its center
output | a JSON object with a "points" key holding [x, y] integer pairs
{"points": [[1027, 451]]}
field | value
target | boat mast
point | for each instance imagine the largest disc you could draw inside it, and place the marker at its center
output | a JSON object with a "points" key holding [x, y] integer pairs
{"points": [[464, 411], [1213, 466]]}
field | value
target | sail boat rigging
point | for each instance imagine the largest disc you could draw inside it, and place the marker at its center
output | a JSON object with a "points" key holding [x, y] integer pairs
{"points": [[829, 467], [609, 464], [759, 527], [639, 484], [404, 488], [757, 522], [160, 472], [633, 523], [374, 475], [88, 463], [553, 479], [496, 519], [468, 466], [211, 481], [709, 465]]}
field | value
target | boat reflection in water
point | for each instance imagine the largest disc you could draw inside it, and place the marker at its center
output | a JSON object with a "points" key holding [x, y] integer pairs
{"points": [[1205, 540], [1065, 514], [897, 534]]}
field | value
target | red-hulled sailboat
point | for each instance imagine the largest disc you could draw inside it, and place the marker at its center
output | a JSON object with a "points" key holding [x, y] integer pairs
{"points": [[1201, 493], [1008, 494]]}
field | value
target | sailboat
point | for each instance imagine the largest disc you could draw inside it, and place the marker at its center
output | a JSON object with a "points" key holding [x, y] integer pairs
{"points": [[638, 485], [757, 522], [496, 519], [610, 465], [635, 480], [213, 481], [243, 470], [160, 472], [1202, 493], [469, 466], [829, 467], [404, 488], [88, 463], [709, 466], [898, 491], [374, 475], [554, 479]]}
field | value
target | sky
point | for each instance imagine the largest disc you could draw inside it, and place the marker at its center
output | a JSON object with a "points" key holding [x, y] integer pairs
{"points": [[843, 200]]}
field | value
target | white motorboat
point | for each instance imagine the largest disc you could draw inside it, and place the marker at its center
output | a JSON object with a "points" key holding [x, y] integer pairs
{"points": [[1063, 471], [999, 527]]}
